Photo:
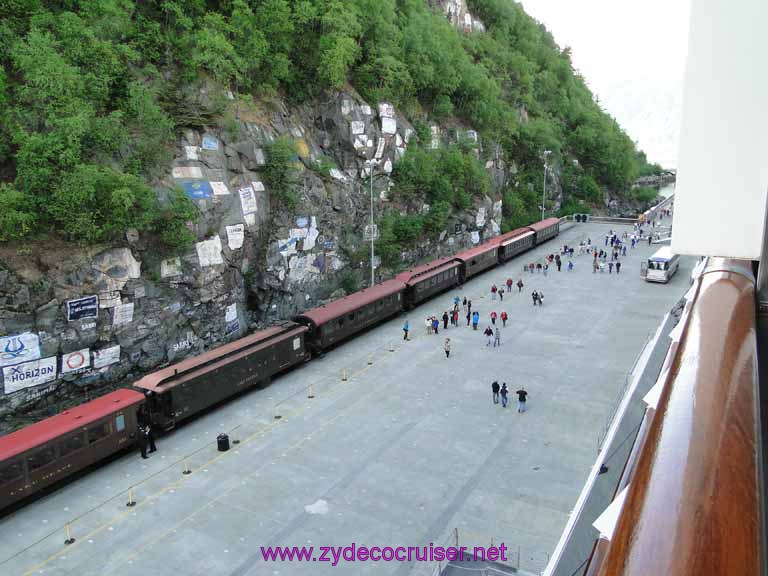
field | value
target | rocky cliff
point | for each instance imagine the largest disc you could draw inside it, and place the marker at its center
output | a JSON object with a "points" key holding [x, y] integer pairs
{"points": [[87, 320]]}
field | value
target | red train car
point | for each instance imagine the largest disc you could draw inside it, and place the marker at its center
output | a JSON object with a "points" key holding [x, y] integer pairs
{"points": [[340, 319], [479, 258], [41, 454], [429, 279]]}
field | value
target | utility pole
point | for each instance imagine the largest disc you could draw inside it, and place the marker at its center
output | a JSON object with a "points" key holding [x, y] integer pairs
{"points": [[544, 189], [371, 163]]}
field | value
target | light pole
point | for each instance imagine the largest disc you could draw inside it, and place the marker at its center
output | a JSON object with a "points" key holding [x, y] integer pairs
{"points": [[371, 163], [544, 189]]}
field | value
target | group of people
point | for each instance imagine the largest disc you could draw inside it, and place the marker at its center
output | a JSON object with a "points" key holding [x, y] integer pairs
{"points": [[503, 392]]}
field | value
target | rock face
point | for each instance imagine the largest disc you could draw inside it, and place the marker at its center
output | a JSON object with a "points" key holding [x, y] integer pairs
{"points": [[104, 315]]}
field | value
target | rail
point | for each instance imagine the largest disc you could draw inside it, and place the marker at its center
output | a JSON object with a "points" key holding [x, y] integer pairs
{"points": [[693, 505]]}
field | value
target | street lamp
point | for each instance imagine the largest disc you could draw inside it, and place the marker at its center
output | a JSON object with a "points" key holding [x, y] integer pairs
{"points": [[544, 189], [370, 164]]}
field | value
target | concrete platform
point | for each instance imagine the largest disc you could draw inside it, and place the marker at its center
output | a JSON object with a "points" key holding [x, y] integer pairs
{"points": [[408, 450]]}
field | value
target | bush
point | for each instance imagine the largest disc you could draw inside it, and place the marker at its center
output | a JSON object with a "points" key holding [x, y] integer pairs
{"points": [[349, 282], [175, 219], [644, 194], [280, 172]]}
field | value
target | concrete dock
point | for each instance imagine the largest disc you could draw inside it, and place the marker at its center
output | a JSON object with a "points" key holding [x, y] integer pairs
{"points": [[408, 450]]}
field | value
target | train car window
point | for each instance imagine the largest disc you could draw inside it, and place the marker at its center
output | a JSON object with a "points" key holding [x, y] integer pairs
{"points": [[72, 444], [41, 458], [120, 422], [98, 432], [10, 472]]}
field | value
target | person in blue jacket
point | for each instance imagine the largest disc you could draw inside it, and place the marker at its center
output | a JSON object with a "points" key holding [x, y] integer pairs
{"points": [[405, 330]]}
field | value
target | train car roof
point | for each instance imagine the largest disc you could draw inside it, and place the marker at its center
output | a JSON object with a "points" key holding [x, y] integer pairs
{"points": [[544, 224], [67, 421], [440, 263], [354, 301], [504, 238], [484, 248], [186, 369]]}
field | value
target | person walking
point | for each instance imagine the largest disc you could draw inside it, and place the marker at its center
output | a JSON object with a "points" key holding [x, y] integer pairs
{"points": [[428, 324], [650, 239], [610, 267], [541, 298], [570, 265], [469, 305], [475, 319], [405, 329], [142, 441], [447, 347], [493, 292], [495, 390], [501, 295], [497, 337], [504, 318], [522, 396], [509, 284], [469, 316], [504, 391], [545, 268], [435, 325], [464, 303], [489, 335], [535, 296], [618, 267], [445, 320], [493, 318], [520, 285], [559, 263]]}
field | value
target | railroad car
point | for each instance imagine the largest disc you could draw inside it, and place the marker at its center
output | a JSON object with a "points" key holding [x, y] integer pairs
{"points": [[545, 229], [430, 279], [48, 451], [333, 322], [186, 388], [478, 259], [515, 242]]}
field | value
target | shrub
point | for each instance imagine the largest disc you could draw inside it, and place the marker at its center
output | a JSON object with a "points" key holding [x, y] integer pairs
{"points": [[280, 172]]}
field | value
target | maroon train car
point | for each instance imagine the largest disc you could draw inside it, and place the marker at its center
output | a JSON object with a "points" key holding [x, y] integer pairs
{"points": [[545, 229], [186, 388], [479, 258], [429, 279], [340, 319], [43, 453]]}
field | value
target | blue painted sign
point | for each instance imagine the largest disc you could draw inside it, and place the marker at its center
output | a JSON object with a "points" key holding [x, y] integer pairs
{"points": [[81, 308], [197, 190], [210, 143]]}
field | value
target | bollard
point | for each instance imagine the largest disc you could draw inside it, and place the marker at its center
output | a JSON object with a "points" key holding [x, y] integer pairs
{"points": [[370, 359], [186, 468], [68, 531], [131, 502], [310, 393], [391, 347], [344, 375], [518, 557], [277, 416]]}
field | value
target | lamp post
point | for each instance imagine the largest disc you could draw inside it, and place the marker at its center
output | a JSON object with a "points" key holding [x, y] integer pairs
{"points": [[371, 163], [544, 189]]}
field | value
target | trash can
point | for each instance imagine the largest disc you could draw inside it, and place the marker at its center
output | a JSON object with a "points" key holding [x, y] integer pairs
{"points": [[223, 442]]}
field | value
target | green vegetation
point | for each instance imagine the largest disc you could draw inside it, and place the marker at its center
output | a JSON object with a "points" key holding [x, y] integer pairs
{"points": [[644, 194], [279, 172], [91, 92]]}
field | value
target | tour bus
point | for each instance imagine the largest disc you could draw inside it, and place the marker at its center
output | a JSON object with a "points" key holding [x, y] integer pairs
{"points": [[662, 265]]}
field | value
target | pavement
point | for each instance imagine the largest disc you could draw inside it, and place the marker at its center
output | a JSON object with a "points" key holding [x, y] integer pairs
{"points": [[408, 450]]}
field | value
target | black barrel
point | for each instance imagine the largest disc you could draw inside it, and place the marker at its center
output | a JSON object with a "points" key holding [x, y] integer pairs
{"points": [[223, 442]]}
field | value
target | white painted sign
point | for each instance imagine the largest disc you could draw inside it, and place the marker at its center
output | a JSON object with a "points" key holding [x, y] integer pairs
{"points": [[480, 218], [380, 148], [309, 241], [388, 166], [109, 299], [123, 314], [191, 152], [219, 188], [366, 110], [19, 348], [386, 110], [475, 237], [338, 175], [170, 267], [230, 313], [357, 127], [258, 186], [388, 125], [250, 219], [248, 200], [193, 172], [235, 236], [209, 252], [29, 374], [75, 361], [210, 143], [106, 356]]}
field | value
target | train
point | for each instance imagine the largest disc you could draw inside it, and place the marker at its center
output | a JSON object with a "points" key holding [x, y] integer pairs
{"points": [[42, 455]]}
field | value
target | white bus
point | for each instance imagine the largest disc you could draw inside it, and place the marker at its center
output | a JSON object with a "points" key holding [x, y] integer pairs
{"points": [[662, 265]]}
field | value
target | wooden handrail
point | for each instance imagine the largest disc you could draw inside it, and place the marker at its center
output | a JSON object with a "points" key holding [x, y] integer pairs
{"points": [[693, 504]]}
